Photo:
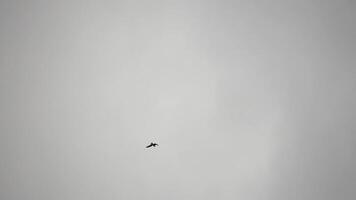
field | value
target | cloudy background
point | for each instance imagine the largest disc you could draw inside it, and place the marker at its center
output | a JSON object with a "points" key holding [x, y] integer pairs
{"points": [[252, 100]]}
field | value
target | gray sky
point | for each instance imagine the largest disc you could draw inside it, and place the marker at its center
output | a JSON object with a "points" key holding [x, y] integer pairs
{"points": [[252, 100]]}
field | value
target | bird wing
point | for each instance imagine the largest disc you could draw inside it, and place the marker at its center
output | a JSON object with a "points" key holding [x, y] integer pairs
{"points": [[149, 145]]}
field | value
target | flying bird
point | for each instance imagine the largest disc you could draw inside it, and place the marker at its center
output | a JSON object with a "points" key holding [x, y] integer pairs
{"points": [[152, 145]]}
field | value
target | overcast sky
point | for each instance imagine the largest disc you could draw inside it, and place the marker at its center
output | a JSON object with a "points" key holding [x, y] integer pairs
{"points": [[250, 100]]}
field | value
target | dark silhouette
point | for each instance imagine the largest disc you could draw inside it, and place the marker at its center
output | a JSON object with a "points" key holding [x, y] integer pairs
{"points": [[152, 145]]}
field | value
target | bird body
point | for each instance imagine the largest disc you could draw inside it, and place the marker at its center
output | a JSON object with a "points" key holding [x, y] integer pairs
{"points": [[152, 145]]}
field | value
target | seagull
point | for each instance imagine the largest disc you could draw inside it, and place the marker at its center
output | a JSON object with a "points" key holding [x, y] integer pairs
{"points": [[152, 145]]}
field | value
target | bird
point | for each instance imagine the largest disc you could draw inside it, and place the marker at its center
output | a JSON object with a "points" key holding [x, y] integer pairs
{"points": [[152, 145]]}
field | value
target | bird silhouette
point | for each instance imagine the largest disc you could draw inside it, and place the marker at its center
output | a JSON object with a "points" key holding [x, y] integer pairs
{"points": [[152, 145]]}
